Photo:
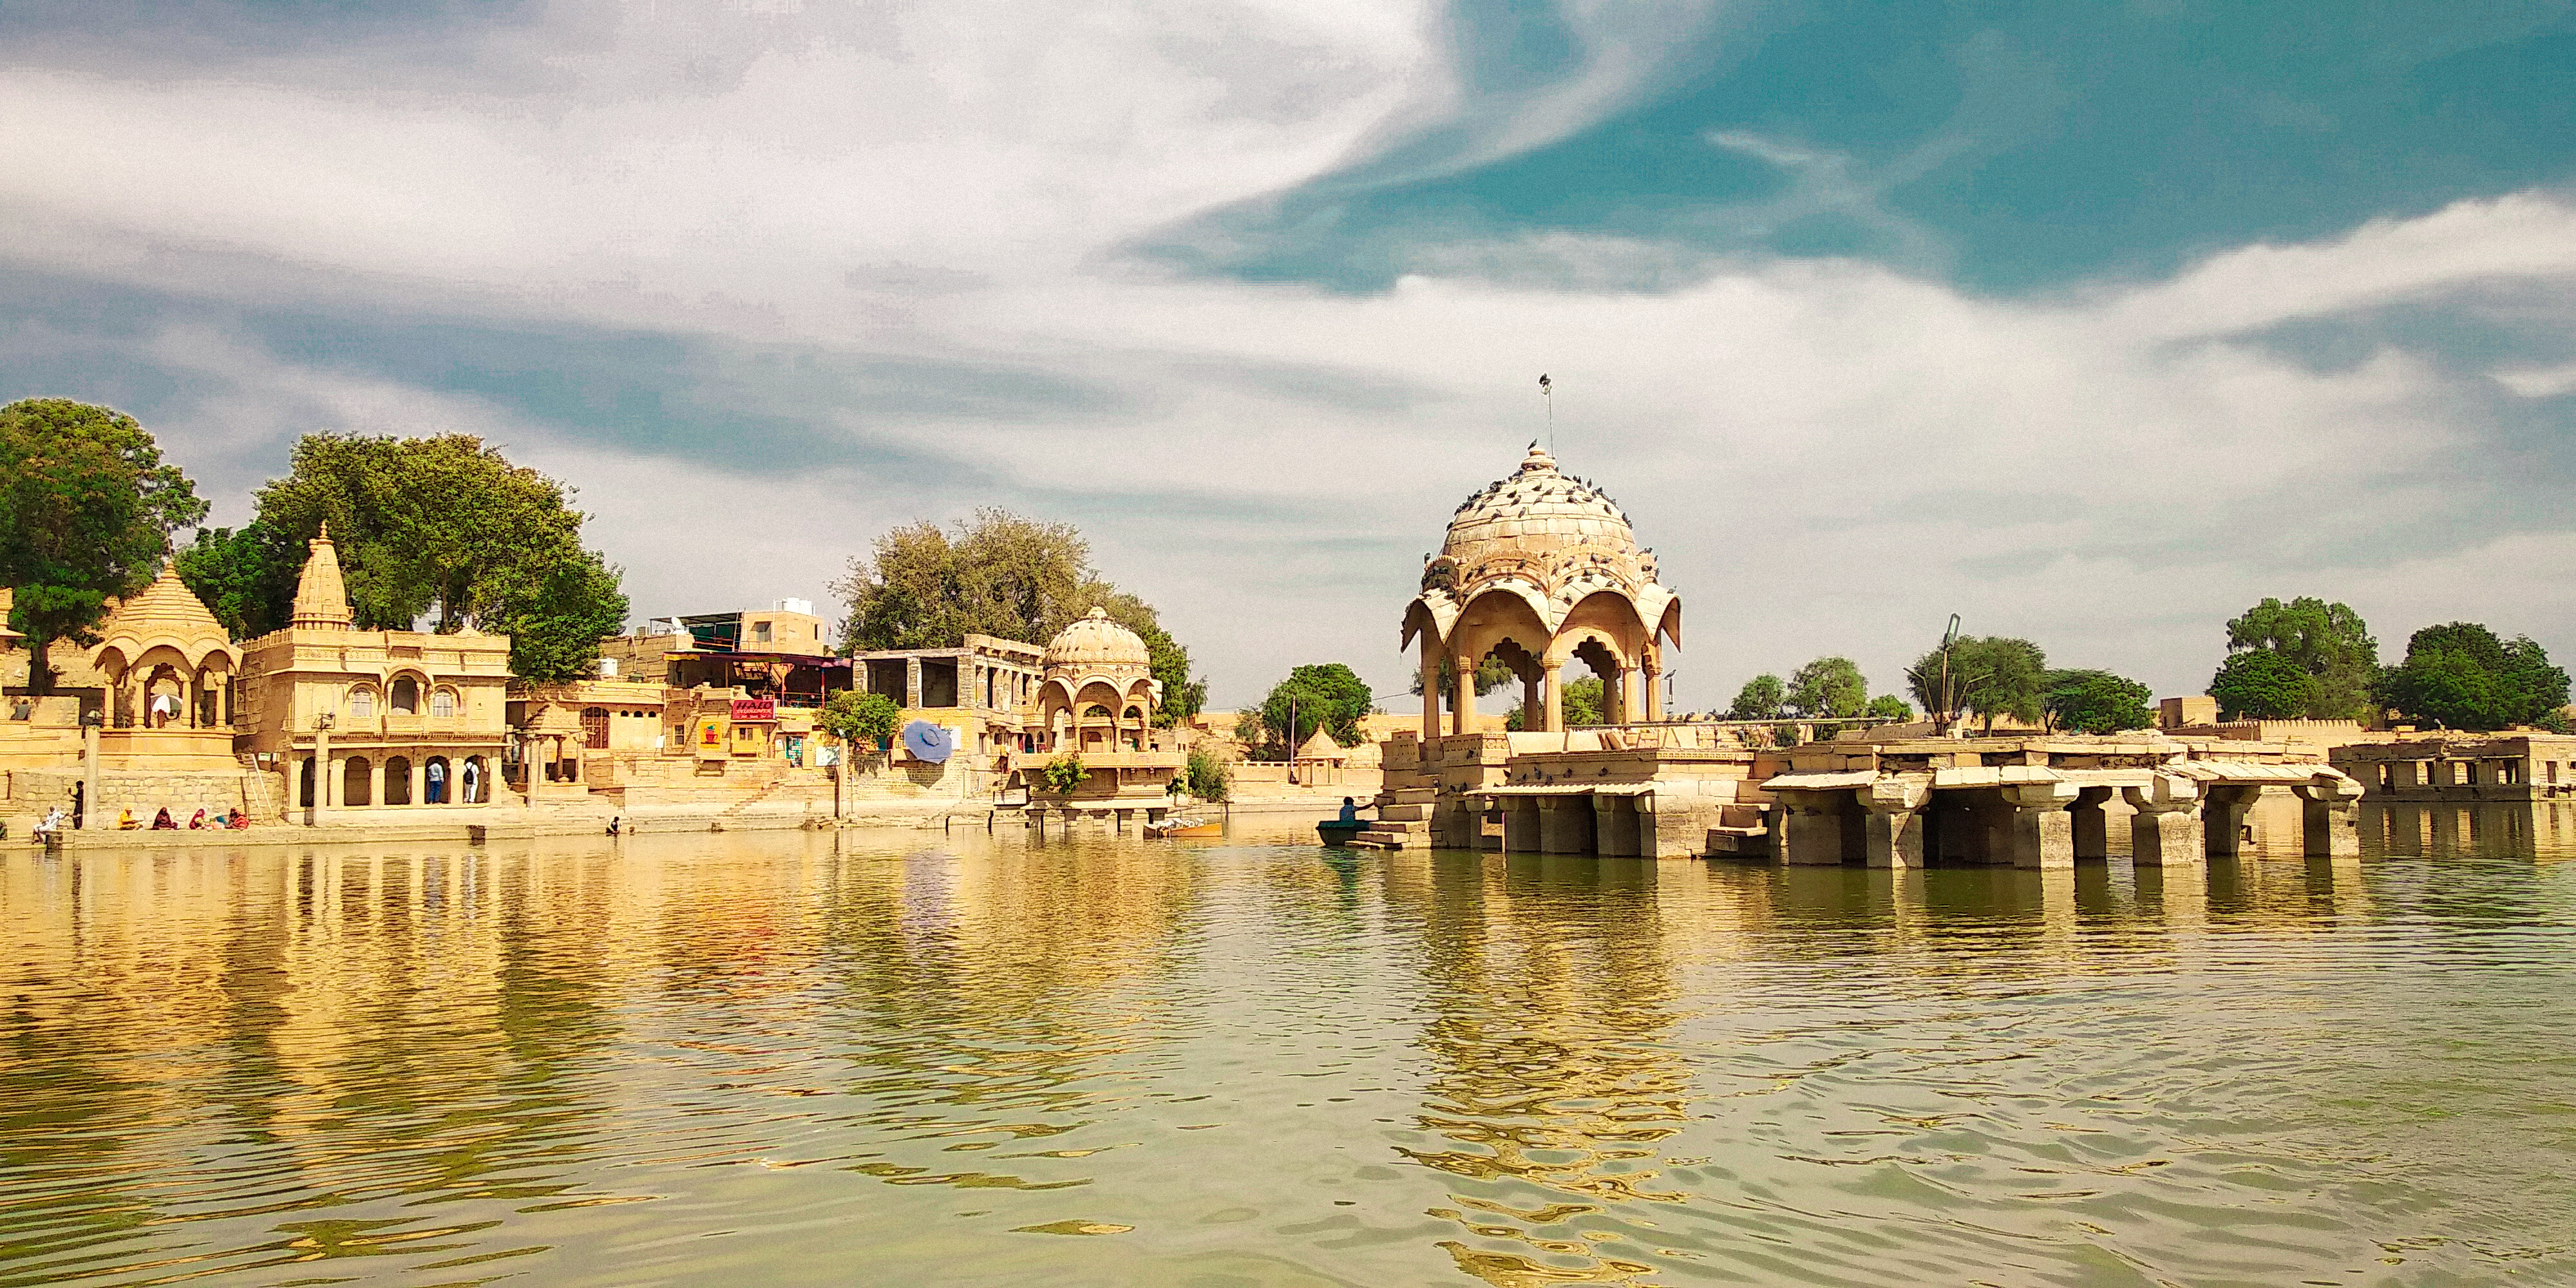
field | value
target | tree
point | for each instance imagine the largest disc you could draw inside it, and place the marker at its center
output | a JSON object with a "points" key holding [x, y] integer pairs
{"points": [[1331, 697], [440, 527], [1491, 674], [1577, 703], [2461, 676], [858, 719], [1828, 686], [1206, 775], [1991, 675], [1888, 706], [2262, 684], [2327, 642], [1761, 698], [86, 512], [2096, 702], [246, 577], [999, 574]]}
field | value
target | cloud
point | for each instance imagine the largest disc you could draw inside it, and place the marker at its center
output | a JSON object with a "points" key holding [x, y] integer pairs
{"points": [[764, 283]]}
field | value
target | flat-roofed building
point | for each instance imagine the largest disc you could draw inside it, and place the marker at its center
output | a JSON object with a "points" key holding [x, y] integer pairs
{"points": [[2463, 767]]}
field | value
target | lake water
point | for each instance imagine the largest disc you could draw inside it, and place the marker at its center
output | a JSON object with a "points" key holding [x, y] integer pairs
{"points": [[897, 1058]]}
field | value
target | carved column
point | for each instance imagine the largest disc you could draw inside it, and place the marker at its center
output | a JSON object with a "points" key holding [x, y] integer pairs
{"points": [[2166, 832], [1894, 836], [1462, 702], [2043, 832], [2092, 820], [2222, 820], [2329, 810], [1654, 688], [1430, 692], [1551, 687]]}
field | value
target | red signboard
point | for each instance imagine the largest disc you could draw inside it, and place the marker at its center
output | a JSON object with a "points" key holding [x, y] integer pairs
{"points": [[754, 710]]}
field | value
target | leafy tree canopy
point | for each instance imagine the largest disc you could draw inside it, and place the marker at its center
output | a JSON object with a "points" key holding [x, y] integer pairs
{"points": [[1888, 706], [2096, 702], [1828, 686], [999, 574], [440, 527], [1330, 697], [86, 512], [2261, 684], [1578, 702], [1491, 674], [1991, 675], [2461, 676], [858, 718], [2327, 642], [1761, 698]]}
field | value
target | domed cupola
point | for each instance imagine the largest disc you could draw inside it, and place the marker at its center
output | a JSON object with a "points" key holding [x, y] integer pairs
{"points": [[1547, 564], [1095, 643]]}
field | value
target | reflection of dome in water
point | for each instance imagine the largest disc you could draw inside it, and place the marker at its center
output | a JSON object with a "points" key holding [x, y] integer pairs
{"points": [[1093, 642]]}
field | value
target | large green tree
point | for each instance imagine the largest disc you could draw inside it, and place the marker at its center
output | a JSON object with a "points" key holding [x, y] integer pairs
{"points": [[2329, 643], [441, 527], [1578, 703], [246, 577], [1330, 697], [2261, 684], [2461, 676], [87, 507], [1990, 675], [999, 574], [1828, 686], [2096, 702], [1761, 698]]}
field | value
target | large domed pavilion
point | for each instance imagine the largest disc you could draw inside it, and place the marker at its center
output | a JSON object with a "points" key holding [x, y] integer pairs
{"points": [[1538, 569], [1098, 691]]}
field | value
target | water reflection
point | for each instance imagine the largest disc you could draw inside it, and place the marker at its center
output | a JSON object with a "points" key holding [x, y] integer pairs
{"points": [[811, 1059]]}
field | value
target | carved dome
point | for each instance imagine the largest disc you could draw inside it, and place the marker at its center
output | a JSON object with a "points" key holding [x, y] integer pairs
{"points": [[1095, 643], [1542, 527], [1550, 541]]}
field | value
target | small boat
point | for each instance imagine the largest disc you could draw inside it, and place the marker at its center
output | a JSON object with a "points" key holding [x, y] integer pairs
{"points": [[1168, 828], [1336, 832]]}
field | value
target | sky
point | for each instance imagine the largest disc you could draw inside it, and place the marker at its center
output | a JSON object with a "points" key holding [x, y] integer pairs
{"points": [[2090, 322]]}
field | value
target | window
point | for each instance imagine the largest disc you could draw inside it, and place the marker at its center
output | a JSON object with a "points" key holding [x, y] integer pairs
{"points": [[442, 704], [760, 631], [406, 696], [362, 704]]}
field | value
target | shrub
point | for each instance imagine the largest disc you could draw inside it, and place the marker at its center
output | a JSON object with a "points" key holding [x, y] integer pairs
{"points": [[1207, 777], [1063, 774]]}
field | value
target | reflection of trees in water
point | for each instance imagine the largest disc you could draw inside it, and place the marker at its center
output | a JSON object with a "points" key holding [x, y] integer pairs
{"points": [[1000, 1000], [264, 1037], [1556, 1083]]}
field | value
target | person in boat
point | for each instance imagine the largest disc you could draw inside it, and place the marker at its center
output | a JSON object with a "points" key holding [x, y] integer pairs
{"points": [[1350, 810]]}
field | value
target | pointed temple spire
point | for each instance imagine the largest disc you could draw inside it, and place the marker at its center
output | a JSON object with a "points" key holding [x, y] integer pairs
{"points": [[321, 598]]}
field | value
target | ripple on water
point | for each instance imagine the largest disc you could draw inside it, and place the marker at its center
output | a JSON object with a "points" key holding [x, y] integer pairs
{"points": [[782, 1058]]}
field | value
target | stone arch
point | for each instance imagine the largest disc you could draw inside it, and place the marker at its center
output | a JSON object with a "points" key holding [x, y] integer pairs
{"points": [[354, 788], [398, 780], [445, 702], [438, 778], [474, 782], [360, 701], [304, 772], [403, 695]]}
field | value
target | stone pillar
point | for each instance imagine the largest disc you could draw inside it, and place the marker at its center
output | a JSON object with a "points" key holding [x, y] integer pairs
{"points": [[2092, 820], [912, 683], [2043, 832], [1611, 701], [1654, 689], [1894, 836], [1462, 702], [1809, 827], [2166, 830], [419, 779], [1551, 688], [89, 819], [2329, 810], [1565, 824], [1614, 825], [1632, 696], [1530, 717], [1430, 694], [321, 773], [376, 778], [2222, 820], [1520, 825]]}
